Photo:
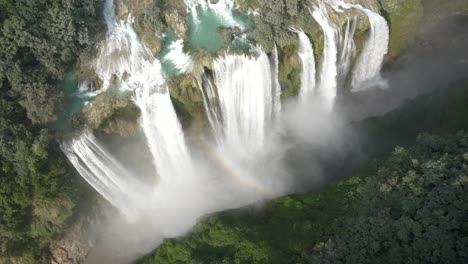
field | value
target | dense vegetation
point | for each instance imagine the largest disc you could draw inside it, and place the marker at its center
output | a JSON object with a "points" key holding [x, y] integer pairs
{"points": [[39, 41], [409, 208], [42, 40]]}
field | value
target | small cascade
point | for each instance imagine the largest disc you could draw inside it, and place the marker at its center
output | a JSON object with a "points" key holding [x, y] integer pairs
{"points": [[105, 174], [138, 71], [109, 15], [126, 63], [276, 84], [366, 71], [369, 63], [347, 51], [306, 53], [327, 80], [163, 133], [244, 86], [222, 8], [120, 54], [182, 62], [211, 105]]}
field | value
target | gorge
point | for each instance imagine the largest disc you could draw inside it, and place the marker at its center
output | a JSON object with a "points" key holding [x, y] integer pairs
{"points": [[233, 131], [242, 102]]}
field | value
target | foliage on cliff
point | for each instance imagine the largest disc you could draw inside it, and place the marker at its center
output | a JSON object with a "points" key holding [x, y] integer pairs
{"points": [[275, 234], [39, 41], [412, 210], [409, 208]]}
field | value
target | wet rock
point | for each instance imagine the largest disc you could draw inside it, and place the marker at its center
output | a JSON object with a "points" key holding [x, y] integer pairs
{"points": [[113, 115], [177, 20]]}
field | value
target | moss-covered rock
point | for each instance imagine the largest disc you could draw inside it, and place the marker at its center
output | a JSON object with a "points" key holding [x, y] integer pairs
{"points": [[188, 100], [404, 17], [289, 71], [148, 23], [113, 115], [177, 20]]}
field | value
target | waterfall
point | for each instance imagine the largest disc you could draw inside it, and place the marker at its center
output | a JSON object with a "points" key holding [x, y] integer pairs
{"points": [[140, 72], [327, 86], [347, 51], [276, 84], [306, 53], [176, 55], [109, 15], [123, 56], [370, 61], [105, 174], [366, 71], [163, 133], [246, 99], [222, 8], [211, 105]]}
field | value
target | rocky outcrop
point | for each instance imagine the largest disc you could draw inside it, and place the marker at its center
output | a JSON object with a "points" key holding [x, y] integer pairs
{"points": [[147, 20], [177, 20], [289, 71], [75, 245], [11, 261], [113, 114], [188, 100]]}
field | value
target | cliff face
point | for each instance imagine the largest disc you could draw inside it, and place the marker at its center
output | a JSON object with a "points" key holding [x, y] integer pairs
{"points": [[153, 18]]}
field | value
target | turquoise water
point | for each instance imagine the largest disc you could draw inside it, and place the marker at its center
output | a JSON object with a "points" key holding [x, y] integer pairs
{"points": [[203, 32], [74, 101], [168, 67]]}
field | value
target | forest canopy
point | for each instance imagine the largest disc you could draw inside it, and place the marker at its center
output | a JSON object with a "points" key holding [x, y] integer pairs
{"points": [[410, 207], [39, 41]]}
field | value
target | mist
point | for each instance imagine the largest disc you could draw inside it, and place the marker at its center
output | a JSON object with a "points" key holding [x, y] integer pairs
{"points": [[304, 148]]}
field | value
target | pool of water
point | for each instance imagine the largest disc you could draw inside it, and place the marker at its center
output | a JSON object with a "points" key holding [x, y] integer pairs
{"points": [[204, 24], [76, 96]]}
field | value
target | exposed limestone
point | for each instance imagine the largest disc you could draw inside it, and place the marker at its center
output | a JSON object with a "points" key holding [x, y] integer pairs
{"points": [[178, 22], [74, 247], [113, 115], [147, 21], [187, 98], [289, 71]]}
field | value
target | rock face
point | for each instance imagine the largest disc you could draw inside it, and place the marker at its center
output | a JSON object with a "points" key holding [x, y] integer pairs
{"points": [[113, 115], [289, 71], [10, 261], [403, 17], [147, 20], [177, 20], [75, 246], [187, 99]]}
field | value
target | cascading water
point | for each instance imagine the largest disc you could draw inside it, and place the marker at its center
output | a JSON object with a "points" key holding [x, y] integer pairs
{"points": [[109, 14], [122, 55], [366, 71], [182, 62], [241, 99], [306, 53], [163, 133], [211, 105], [222, 8], [327, 86], [347, 51], [105, 174], [369, 64], [276, 84], [246, 99]]}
